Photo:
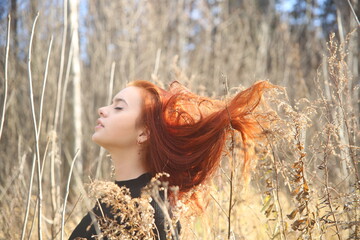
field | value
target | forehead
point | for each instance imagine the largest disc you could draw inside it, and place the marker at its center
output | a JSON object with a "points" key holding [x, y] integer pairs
{"points": [[131, 95]]}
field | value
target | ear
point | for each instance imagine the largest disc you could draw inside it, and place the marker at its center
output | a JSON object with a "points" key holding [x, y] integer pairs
{"points": [[144, 135]]}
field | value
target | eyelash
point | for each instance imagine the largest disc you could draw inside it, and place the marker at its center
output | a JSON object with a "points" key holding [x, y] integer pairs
{"points": [[118, 108]]}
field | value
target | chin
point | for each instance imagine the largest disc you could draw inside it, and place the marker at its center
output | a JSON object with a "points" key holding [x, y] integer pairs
{"points": [[95, 139], [99, 141]]}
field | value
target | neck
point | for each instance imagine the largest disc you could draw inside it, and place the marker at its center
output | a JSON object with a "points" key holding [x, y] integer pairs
{"points": [[128, 163]]}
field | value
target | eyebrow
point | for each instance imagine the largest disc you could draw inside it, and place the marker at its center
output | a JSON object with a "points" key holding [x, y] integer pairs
{"points": [[117, 100]]}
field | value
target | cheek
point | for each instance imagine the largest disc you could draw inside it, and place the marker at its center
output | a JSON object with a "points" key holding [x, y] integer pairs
{"points": [[121, 132]]}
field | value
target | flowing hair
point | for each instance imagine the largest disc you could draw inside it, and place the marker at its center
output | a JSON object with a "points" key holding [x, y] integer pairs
{"points": [[188, 132]]}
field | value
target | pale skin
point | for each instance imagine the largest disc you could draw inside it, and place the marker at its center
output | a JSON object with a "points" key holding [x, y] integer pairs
{"points": [[117, 132]]}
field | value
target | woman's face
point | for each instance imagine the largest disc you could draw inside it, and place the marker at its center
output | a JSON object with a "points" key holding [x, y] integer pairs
{"points": [[117, 126]]}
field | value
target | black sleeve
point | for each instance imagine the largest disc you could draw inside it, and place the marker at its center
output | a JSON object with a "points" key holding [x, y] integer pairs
{"points": [[160, 231], [85, 229], [88, 226]]}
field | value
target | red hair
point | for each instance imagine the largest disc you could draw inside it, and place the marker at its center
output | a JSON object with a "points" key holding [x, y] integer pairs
{"points": [[188, 132]]}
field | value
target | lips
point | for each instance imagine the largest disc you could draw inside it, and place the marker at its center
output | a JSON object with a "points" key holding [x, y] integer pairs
{"points": [[99, 123]]}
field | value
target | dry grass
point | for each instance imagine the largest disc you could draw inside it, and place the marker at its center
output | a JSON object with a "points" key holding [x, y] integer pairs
{"points": [[306, 181]]}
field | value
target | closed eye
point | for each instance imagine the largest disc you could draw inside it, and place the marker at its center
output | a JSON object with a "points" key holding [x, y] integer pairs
{"points": [[119, 108]]}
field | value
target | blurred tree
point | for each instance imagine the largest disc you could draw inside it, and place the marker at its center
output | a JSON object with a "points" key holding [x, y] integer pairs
{"points": [[14, 36], [327, 17], [3, 8], [304, 11], [233, 5], [76, 79], [262, 5], [347, 23], [266, 5]]}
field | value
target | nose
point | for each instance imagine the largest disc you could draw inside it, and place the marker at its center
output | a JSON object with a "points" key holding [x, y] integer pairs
{"points": [[102, 112]]}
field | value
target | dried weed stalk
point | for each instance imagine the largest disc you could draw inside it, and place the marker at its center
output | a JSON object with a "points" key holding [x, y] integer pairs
{"points": [[133, 217], [159, 191], [338, 144], [316, 143]]}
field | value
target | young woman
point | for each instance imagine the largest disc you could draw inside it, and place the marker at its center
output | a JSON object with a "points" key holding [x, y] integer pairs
{"points": [[149, 130]]}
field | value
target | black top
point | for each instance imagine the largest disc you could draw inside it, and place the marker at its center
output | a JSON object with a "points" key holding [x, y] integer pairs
{"points": [[87, 227]]}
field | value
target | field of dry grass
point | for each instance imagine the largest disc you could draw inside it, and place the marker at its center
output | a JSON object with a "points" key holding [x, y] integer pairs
{"points": [[306, 181]]}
